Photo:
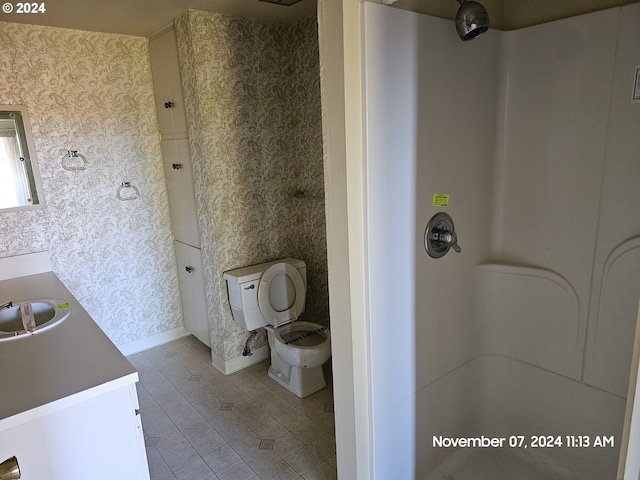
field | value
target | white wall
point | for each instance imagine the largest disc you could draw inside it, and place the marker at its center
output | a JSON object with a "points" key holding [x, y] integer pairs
{"points": [[339, 31]]}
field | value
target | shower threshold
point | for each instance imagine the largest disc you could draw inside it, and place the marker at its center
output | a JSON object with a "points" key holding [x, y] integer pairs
{"points": [[483, 464]]}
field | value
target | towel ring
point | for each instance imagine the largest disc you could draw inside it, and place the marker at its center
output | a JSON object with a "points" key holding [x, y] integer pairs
{"points": [[126, 191], [73, 161]]}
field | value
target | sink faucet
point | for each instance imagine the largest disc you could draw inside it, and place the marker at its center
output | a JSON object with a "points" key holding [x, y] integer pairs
{"points": [[6, 305]]}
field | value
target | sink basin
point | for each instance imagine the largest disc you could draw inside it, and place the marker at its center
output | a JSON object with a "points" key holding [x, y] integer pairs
{"points": [[18, 319]]}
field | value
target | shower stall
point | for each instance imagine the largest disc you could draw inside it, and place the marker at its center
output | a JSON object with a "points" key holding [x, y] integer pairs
{"points": [[510, 358]]}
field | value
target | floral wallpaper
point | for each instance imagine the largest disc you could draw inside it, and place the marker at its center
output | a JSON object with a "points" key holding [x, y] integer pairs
{"points": [[92, 92], [252, 93]]}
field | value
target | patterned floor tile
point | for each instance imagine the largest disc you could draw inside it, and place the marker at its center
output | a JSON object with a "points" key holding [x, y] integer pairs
{"points": [[202, 425]]}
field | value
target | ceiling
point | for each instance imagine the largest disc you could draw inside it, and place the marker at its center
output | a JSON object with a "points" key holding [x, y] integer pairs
{"points": [[514, 14], [146, 17]]}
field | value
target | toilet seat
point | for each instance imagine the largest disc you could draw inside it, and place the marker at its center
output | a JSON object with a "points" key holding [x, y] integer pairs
{"points": [[302, 335], [291, 313]]}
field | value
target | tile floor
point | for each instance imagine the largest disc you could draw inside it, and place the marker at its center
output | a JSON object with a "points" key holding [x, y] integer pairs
{"points": [[202, 425]]}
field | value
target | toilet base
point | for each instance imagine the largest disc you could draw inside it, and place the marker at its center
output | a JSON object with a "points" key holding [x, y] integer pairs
{"points": [[302, 382]]}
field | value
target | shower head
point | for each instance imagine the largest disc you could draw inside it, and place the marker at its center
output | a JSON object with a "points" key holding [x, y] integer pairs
{"points": [[472, 20]]}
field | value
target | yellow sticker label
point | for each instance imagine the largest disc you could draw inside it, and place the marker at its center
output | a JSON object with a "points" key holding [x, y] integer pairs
{"points": [[440, 200], [63, 306]]}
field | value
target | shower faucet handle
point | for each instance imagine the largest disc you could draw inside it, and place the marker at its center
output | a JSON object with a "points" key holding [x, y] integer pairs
{"points": [[449, 237], [440, 236]]}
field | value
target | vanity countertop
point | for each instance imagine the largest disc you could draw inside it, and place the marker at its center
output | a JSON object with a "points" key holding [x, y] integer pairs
{"points": [[58, 367]]}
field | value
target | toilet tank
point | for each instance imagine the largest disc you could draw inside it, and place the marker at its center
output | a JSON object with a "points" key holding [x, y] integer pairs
{"points": [[242, 285]]}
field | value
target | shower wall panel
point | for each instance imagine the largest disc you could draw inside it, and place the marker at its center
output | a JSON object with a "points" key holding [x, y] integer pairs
{"points": [[615, 279], [519, 307], [557, 101], [548, 229], [557, 128], [431, 106], [457, 103], [391, 130]]}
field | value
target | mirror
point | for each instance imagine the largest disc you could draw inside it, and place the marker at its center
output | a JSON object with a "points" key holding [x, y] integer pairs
{"points": [[20, 186]]}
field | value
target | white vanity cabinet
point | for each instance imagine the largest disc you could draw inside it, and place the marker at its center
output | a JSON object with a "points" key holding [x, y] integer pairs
{"points": [[87, 437], [68, 401]]}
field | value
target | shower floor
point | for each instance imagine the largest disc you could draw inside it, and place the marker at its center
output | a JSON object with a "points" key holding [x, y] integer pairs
{"points": [[485, 464]]}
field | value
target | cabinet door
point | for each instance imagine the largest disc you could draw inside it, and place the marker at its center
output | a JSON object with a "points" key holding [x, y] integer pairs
{"points": [[98, 439], [191, 278], [167, 85], [182, 203]]}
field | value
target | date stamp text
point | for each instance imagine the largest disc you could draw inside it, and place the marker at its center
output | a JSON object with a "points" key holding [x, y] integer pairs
{"points": [[523, 441], [20, 7]]}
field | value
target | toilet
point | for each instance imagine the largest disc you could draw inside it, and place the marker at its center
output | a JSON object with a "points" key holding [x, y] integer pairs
{"points": [[272, 296]]}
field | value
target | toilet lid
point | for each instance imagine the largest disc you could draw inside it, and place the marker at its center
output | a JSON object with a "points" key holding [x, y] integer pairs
{"points": [[281, 294]]}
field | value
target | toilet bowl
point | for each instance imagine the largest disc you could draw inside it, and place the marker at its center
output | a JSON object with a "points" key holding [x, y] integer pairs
{"points": [[272, 296], [302, 344], [298, 368]]}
